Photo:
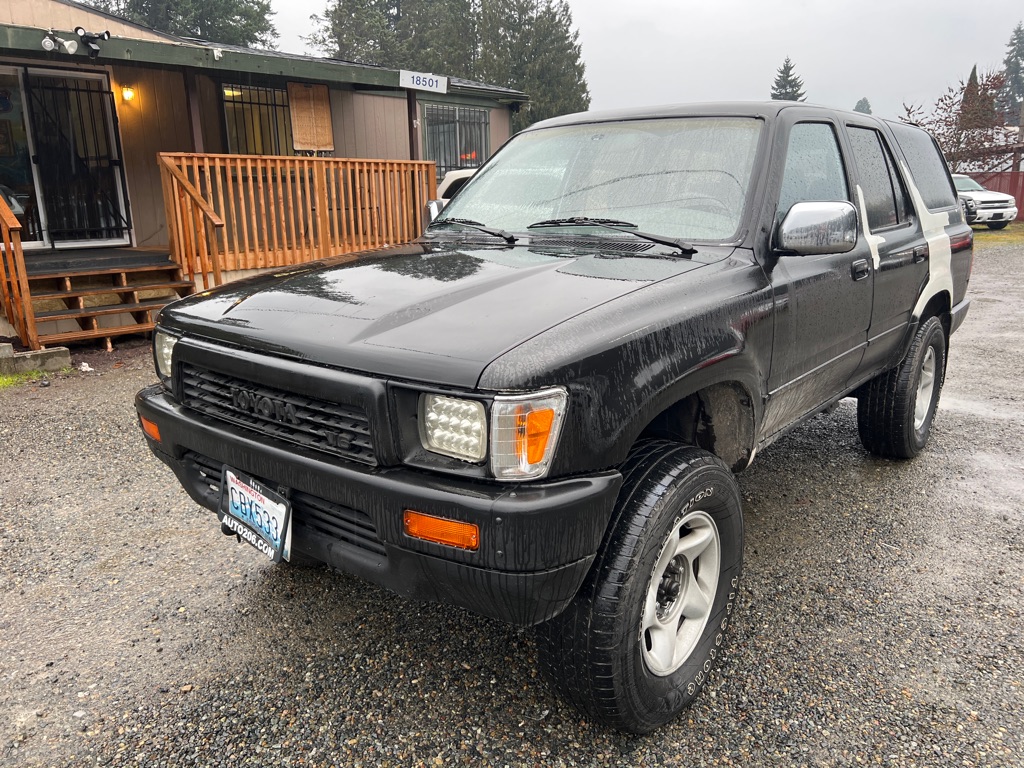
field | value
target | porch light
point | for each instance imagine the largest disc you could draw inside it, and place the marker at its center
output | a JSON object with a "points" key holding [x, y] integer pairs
{"points": [[128, 92]]}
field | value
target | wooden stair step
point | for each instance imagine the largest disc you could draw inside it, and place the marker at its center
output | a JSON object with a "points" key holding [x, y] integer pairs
{"points": [[168, 267], [49, 339], [106, 309], [99, 290]]}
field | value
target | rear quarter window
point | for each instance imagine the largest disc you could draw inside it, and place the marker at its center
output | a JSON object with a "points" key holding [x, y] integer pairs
{"points": [[926, 165]]}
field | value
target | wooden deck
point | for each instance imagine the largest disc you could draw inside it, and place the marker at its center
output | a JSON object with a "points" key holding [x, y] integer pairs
{"points": [[224, 213]]}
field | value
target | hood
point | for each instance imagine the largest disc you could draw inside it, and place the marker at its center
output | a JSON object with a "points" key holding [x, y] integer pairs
{"points": [[987, 196], [420, 312]]}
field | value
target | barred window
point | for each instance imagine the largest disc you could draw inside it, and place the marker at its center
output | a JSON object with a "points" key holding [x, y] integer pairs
{"points": [[257, 120], [455, 137]]}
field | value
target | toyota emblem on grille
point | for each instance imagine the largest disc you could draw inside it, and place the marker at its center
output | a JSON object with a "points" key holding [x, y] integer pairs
{"points": [[265, 407]]}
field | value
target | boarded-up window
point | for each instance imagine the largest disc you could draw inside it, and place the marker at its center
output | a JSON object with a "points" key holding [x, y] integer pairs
{"points": [[312, 130]]}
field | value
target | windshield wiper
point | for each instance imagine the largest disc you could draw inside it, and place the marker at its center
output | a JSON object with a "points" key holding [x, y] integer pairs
{"points": [[492, 231], [582, 221], [619, 226]]}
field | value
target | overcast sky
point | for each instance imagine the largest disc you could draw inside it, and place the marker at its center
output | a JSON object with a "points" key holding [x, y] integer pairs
{"points": [[643, 52]]}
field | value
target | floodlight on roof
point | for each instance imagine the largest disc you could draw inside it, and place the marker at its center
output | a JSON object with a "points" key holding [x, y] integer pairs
{"points": [[52, 43]]}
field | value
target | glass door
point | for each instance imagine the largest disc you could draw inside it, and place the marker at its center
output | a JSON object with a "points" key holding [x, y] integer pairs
{"points": [[18, 183], [77, 158]]}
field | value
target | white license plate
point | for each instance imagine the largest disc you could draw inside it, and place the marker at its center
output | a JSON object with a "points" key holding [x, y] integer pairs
{"points": [[260, 516]]}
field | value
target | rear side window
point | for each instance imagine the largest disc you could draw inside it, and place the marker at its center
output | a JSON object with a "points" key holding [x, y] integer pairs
{"points": [[884, 196], [926, 166]]}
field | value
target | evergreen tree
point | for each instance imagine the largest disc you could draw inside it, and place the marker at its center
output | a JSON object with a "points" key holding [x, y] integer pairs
{"points": [[863, 106], [440, 36], [424, 35], [1012, 95], [528, 45], [977, 105], [365, 31], [234, 22], [787, 86], [964, 122]]}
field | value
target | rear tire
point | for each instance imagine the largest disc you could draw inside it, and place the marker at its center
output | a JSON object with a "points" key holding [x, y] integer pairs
{"points": [[896, 409], [637, 643], [997, 224]]}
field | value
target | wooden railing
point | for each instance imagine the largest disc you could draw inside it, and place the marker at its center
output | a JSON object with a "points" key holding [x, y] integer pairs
{"points": [[276, 211], [14, 292], [192, 227]]}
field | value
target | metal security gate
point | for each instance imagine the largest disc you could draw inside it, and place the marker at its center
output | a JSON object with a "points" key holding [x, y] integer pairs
{"points": [[455, 137], [77, 158]]}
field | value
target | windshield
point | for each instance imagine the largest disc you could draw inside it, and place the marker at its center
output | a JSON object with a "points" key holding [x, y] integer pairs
{"points": [[685, 178], [967, 184]]}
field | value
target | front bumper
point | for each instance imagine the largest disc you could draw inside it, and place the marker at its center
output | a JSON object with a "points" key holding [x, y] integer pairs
{"points": [[985, 215], [537, 540]]}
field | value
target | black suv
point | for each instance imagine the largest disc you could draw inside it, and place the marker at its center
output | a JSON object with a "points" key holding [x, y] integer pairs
{"points": [[535, 411]]}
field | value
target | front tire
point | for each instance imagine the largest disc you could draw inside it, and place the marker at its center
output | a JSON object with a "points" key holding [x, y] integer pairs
{"points": [[895, 410], [637, 643], [997, 224]]}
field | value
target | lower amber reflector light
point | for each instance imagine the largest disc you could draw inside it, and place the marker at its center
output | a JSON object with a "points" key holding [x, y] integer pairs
{"points": [[150, 428], [441, 531]]}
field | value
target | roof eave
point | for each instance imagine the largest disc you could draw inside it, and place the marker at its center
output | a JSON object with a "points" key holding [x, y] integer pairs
{"points": [[212, 58]]}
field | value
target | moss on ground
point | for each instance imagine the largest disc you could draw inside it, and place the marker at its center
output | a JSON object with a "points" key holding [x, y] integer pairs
{"points": [[1011, 235]]}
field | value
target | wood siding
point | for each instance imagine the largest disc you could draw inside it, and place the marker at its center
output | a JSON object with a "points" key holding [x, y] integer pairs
{"points": [[370, 125], [46, 14], [501, 128], [155, 121], [211, 108]]}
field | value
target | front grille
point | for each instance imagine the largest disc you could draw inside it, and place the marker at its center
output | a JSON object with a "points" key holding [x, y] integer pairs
{"points": [[335, 521], [993, 205], [317, 425]]}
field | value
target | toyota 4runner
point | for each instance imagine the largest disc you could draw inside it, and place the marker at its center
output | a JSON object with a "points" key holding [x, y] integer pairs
{"points": [[535, 410]]}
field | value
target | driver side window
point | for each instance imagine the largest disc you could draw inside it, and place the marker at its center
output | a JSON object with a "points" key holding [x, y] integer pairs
{"points": [[814, 167]]}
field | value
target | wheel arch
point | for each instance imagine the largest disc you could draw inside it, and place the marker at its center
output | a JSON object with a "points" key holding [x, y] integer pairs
{"points": [[720, 416], [940, 306]]}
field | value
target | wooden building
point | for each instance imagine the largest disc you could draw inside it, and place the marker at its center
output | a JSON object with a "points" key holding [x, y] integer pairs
{"points": [[120, 145]]}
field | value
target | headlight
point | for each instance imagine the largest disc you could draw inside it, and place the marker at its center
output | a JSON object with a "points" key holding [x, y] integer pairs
{"points": [[524, 433], [163, 351], [453, 427]]}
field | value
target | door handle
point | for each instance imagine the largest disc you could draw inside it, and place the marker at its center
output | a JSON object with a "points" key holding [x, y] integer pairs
{"points": [[860, 269], [920, 254]]}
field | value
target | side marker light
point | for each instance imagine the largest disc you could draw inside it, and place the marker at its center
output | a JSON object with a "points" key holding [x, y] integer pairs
{"points": [[441, 530], [150, 428]]}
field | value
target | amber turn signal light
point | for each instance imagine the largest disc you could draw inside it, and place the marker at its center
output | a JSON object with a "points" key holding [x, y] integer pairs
{"points": [[532, 431], [441, 531], [150, 428]]}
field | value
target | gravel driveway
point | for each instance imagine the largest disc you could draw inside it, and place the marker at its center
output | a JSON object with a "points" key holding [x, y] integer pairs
{"points": [[880, 621]]}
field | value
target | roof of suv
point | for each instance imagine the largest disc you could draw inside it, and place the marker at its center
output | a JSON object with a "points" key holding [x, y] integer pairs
{"points": [[766, 109]]}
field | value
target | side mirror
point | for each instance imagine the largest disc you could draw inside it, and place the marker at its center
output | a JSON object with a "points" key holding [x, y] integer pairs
{"points": [[434, 208], [818, 228]]}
